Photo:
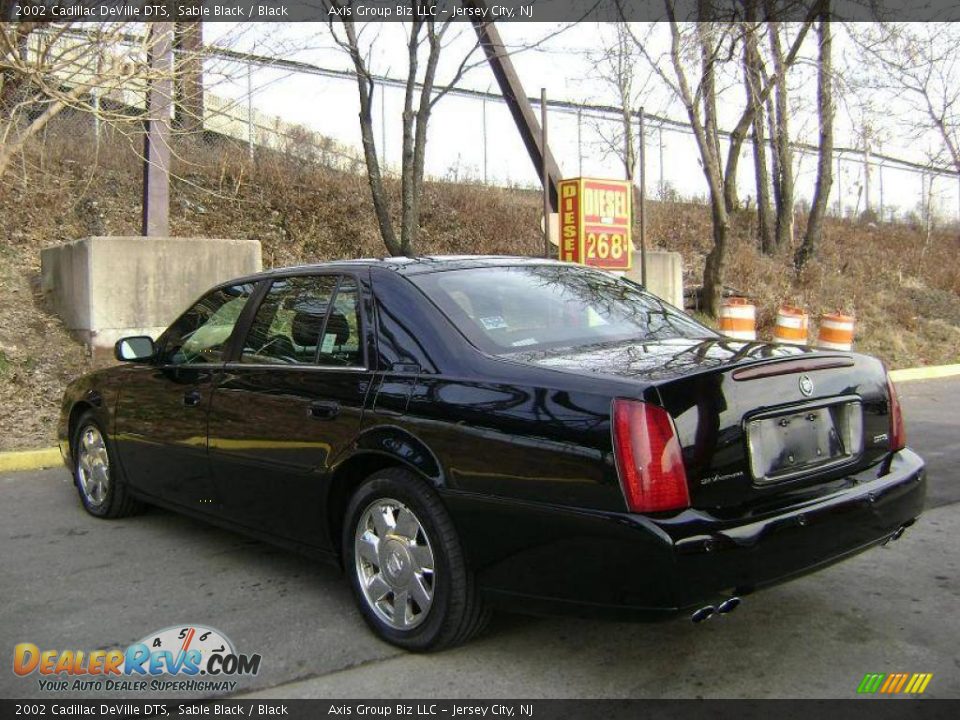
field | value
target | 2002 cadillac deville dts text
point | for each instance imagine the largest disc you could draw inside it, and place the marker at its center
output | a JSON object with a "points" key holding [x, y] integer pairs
{"points": [[468, 433]]}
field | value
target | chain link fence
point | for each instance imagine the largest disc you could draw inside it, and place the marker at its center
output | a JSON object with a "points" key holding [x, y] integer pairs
{"points": [[473, 138], [312, 111]]}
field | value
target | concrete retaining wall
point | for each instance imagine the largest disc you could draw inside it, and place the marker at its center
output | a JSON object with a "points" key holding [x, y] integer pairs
{"points": [[107, 287], [664, 275]]}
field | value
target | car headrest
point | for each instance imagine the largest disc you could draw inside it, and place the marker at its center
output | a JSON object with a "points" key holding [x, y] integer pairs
{"points": [[337, 324], [306, 328]]}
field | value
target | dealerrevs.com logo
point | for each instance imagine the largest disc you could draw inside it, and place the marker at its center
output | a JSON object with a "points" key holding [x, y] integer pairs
{"points": [[185, 658]]}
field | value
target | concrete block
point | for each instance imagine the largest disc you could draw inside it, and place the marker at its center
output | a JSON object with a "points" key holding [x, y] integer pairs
{"points": [[107, 287], [664, 275]]}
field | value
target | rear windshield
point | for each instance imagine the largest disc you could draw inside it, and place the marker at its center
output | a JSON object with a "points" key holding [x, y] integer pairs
{"points": [[538, 307]]}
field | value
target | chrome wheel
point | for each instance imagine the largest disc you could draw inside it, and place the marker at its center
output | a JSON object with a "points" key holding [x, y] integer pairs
{"points": [[394, 563], [93, 466]]}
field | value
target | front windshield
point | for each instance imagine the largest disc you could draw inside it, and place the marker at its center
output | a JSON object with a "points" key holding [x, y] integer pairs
{"points": [[538, 307]]}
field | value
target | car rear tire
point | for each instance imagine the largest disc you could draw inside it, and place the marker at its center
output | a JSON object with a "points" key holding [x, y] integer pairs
{"points": [[95, 474], [406, 565]]}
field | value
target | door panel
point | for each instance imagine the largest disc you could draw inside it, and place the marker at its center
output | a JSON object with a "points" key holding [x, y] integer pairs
{"points": [[161, 414], [279, 420], [274, 434], [162, 433]]}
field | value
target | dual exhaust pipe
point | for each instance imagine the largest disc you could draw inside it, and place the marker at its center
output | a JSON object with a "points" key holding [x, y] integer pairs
{"points": [[896, 534], [708, 611]]}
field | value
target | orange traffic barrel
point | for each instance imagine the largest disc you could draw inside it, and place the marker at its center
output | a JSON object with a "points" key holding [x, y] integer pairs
{"points": [[836, 331], [791, 325], [738, 319]]}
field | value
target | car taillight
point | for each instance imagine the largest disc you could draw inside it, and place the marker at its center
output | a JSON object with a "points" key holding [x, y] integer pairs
{"points": [[898, 435], [648, 457]]}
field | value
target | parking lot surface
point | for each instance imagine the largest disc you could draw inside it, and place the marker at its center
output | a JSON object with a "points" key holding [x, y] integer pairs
{"points": [[70, 581]]}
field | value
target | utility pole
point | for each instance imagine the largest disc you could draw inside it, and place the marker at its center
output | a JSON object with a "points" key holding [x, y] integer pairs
{"points": [[544, 174], [866, 171], [839, 189], [643, 200], [579, 142], [156, 144], [383, 127], [250, 136], [663, 187], [880, 177], [484, 106]]}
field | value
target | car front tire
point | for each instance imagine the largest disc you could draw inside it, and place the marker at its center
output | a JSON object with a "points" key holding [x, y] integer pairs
{"points": [[95, 474], [406, 565]]}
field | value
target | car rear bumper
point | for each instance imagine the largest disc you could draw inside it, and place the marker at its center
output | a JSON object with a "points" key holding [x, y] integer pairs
{"points": [[550, 559]]}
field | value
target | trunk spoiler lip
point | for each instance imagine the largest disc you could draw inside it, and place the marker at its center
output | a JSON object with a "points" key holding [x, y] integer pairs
{"points": [[791, 366]]}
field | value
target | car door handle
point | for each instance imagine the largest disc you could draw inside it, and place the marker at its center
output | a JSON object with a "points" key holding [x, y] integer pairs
{"points": [[192, 398], [324, 409]]}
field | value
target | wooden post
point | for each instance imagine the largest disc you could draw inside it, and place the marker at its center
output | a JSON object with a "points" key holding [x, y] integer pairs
{"points": [[156, 144], [517, 102]]}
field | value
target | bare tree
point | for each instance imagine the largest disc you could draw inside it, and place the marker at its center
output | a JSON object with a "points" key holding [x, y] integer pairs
{"points": [[425, 39], [47, 68], [918, 64], [616, 66], [825, 111], [96, 70], [708, 40]]}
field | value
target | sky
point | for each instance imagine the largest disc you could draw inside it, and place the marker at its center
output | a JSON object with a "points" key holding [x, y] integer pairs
{"points": [[475, 140]]}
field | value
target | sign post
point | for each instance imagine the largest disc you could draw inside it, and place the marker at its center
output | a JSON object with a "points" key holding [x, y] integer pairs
{"points": [[595, 222]]}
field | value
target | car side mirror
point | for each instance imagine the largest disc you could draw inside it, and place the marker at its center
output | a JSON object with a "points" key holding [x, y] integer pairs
{"points": [[138, 348]]}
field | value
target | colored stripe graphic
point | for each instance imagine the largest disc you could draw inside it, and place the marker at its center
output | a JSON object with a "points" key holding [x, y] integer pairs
{"points": [[894, 683], [871, 682]]}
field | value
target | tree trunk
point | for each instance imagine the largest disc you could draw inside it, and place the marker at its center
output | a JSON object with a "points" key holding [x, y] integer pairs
{"points": [[381, 203], [739, 132], [811, 238], [782, 153], [411, 223], [752, 76], [713, 267], [407, 175]]}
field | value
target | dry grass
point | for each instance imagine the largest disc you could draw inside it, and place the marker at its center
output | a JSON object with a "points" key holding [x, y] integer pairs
{"points": [[904, 290]]}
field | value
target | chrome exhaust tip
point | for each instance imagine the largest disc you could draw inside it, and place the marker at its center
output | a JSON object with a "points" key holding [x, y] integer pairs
{"points": [[729, 605], [704, 613], [894, 536]]}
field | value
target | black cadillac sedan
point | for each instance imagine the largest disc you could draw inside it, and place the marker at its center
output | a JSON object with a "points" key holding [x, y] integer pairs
{"points": [[467, 433]]}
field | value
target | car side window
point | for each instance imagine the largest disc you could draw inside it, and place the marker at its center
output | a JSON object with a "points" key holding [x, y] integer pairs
{"points": [[201, 333], [286, 329], [341, 335]]}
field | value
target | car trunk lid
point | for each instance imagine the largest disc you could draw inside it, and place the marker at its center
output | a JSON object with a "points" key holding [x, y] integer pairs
{"points": [[757, 422]]}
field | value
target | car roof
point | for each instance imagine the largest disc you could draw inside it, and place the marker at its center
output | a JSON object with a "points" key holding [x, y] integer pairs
{"points": [[403, 265]]}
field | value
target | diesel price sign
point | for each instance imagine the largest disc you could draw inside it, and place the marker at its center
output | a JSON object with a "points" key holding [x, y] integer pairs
{"points": [[595, 218]]}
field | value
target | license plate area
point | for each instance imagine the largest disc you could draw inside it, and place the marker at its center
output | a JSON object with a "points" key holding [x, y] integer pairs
{"points": [[784, 444]]}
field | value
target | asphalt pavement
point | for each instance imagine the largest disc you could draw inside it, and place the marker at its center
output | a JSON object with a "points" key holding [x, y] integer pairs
{"points": [[69, 581]]}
